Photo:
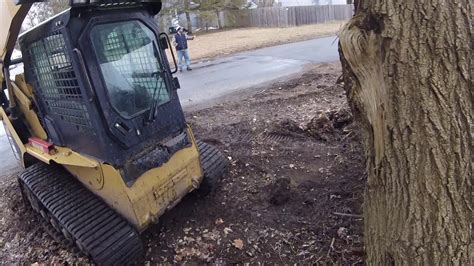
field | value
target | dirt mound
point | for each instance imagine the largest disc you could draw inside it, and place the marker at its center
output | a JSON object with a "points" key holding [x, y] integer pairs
{"points": [[326, 124], [287, 127], [320, 127], [340, 118]]}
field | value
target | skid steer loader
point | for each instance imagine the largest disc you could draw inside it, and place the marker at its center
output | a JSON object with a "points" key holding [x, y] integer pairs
{"points": [[96, 121]]}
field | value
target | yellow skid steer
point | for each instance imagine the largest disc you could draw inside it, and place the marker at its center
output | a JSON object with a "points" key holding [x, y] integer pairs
{"points": [[96, 121]]}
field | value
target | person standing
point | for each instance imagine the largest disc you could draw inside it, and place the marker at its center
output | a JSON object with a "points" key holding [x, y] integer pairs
{"points": [[181, 44]]}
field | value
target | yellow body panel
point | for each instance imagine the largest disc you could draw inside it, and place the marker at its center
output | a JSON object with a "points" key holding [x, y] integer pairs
{"points": [[63, 156], [156, 191]]}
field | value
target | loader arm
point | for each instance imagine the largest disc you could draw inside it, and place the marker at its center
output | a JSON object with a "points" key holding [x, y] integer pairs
{"points": [[12, 14]]}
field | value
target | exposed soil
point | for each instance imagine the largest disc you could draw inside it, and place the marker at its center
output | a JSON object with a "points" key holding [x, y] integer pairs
{"points": [[296, 166]]}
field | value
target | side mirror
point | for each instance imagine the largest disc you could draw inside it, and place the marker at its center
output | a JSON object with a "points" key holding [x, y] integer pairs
{"points": [[164, 43], [176, 84]]}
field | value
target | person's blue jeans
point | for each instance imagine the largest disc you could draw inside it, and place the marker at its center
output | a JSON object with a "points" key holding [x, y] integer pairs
{"points": [[183, 58]]}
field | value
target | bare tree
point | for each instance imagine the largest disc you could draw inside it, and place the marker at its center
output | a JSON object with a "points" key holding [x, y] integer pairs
{"points": [[168, 10], [189, 24], [40, 12], [408, 75], [209, 9], [265, 3]]}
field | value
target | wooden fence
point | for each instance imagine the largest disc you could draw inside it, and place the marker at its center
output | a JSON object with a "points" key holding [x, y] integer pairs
{"points": [[286, 16]]}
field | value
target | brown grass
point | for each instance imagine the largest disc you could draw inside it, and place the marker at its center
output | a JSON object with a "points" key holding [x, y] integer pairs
{"points": [[237, 40]]}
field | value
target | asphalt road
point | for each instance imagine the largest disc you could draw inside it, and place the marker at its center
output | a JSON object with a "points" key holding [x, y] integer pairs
{"points": [[8, 163], [213, 80]]}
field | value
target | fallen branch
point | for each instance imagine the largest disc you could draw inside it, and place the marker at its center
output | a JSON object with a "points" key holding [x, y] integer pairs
{"points": [[346, 136], [331, 247]]}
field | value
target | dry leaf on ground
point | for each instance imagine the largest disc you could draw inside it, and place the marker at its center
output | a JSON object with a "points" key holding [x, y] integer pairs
{"points": [[238, 243]]}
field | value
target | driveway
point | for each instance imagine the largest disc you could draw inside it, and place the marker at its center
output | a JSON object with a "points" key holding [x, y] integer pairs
{"points": [[213, 80], [8, 164], [217, 79]]}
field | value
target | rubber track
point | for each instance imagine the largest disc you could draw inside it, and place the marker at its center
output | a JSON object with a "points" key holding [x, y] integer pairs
{"points": [[213, 162], [103, 235]]}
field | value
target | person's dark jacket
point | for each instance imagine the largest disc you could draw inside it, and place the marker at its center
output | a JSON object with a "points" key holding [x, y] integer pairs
{"points": [[181, 41]]}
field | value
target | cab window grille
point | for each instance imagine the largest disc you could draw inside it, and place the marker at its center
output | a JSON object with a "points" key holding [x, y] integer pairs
{"points": [[56, 82], [130, 64]]}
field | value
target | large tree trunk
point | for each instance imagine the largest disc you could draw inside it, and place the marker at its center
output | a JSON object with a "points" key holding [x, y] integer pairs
{"points": [[219, 22], [162, 23], [408, 75], [189, 24]]}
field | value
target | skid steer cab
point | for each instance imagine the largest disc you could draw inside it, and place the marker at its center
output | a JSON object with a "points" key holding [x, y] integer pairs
{"points": [[97, 123]]}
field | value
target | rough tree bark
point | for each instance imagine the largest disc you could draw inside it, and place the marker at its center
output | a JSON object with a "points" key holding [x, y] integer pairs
{"points": [[219, 22], [189, 24], [408, 73]]}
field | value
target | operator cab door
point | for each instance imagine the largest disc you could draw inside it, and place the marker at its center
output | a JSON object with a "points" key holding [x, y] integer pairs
{"points": [[131, 79]]}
